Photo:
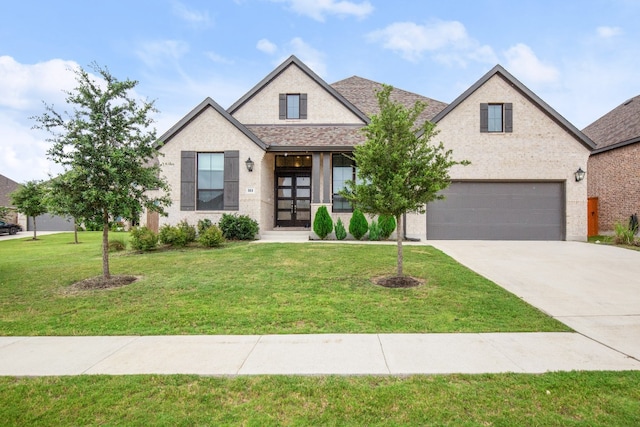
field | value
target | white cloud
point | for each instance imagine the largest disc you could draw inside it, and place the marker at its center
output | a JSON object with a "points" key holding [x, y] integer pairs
{"points": [[157, 52], [412, 40], [608, 32], [24, 86], [218, 58], [313, 58], [193, 17], [317, 9], [266, 46], [523, 62]]}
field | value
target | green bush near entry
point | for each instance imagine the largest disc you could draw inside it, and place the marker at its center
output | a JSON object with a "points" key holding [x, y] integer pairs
{"points": [[238, 227], [211, 237], [341, 232], [322, 223], [387, 225], [358, 225], [143, 239], [374, 231]]}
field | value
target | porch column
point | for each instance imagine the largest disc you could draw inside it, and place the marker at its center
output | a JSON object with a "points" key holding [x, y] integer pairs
{"points": [[326, 178], [315, 171]]}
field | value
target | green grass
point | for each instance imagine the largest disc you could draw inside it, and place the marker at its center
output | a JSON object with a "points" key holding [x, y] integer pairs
{"points": [[248, 289], [568, 399]]}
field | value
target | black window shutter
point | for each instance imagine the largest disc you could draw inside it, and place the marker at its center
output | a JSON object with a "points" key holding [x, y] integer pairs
{"points": [[303, 105], [283, 106], [508, 117], [188, 181], [484, 117], [232, 180]]}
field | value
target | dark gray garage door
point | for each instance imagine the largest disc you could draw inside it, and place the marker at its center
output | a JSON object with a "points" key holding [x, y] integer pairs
{"points": [[498, 211], [49, 222]]}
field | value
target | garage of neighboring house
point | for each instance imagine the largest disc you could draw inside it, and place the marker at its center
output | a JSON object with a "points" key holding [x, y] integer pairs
{"points": [[498, 210], [48, 222]]}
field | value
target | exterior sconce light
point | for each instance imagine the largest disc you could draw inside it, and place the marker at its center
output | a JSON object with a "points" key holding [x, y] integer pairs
{"points": [[579, 174], [250, 163]]}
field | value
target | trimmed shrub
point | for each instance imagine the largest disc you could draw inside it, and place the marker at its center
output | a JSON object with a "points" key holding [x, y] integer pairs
{"points": [[374, 230], [211, 237], [341, 233], [203, 225], [358, 225], [387, 225], [178, 236], [238, 227], [143, 239], [117, 245], [322, 223], [187, 232]]}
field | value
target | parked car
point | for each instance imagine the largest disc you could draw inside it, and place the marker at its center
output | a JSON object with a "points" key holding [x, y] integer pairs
{"points": [[7, 227]]}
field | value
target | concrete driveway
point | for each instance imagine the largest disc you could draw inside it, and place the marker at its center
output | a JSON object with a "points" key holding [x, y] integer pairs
{"points": [[594, 289]]}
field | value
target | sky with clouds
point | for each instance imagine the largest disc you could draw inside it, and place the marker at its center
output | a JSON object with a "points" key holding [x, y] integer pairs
{"points": [[581, 56]]}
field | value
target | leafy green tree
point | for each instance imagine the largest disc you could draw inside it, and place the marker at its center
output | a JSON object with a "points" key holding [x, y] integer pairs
{"points": [[108, 147], [29, 199], [62, 199], [400, 170]]}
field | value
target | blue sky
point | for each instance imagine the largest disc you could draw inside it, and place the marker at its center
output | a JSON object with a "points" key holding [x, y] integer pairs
{"points": [[581, 56]]}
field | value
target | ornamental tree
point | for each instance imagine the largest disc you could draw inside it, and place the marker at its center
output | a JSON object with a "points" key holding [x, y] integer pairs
{"points": [[107, 150], [29, 200], [399, 169]]}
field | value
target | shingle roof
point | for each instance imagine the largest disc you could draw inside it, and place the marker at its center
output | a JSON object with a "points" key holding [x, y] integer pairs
{"points": [[280, 137], [619, 127], [362, 93]]}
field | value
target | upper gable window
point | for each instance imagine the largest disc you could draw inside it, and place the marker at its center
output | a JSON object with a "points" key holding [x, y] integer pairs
{"points": [[293, 106], [496, 118]]}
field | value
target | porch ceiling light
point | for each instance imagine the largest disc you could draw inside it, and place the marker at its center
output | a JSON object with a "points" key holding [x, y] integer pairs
{"points": [[579, 174], [249, 164]]}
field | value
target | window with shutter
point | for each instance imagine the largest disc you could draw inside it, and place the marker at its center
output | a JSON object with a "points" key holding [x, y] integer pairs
{"points": [[187, 180], [292, 106], [496, 118]]}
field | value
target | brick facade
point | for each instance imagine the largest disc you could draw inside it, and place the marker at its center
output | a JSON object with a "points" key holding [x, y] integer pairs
{"points": [[613, 179]]}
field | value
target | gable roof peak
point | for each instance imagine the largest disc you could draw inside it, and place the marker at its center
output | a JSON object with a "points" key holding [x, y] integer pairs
{"points": [[199, 109], [527, 93], [293, 60]]}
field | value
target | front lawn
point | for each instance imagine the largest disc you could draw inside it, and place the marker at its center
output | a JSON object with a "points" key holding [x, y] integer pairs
{"points": [[552, 399], [248, 288]]}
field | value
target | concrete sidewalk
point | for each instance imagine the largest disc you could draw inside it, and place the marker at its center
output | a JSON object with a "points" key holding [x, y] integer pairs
{"points": [[350, 354]]}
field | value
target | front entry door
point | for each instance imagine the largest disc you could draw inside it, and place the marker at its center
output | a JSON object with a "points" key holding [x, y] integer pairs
{"points": [[293, 199]]}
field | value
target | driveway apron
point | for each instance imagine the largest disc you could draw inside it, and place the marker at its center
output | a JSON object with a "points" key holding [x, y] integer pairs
{"points": [[594, 289]]}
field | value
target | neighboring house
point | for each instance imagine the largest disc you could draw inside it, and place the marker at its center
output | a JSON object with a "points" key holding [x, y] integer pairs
{"points": [[613, 187], [279, 153], [44, 222], [8, 186]]}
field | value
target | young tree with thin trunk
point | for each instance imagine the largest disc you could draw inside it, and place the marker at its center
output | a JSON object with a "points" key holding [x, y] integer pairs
{"points": [[29, 200], [399, 169], [107, 150]]}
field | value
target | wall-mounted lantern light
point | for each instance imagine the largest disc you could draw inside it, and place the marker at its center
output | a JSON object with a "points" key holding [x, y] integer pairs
{"points": [[579, 174], [249, 164]]}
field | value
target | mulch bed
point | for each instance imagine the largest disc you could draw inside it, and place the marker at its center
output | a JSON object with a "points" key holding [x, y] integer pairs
{"points": [[100, 282], [398, 281]]}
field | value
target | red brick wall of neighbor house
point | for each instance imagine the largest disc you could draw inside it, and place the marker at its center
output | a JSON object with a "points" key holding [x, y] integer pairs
{"points": [[614, 178]]}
